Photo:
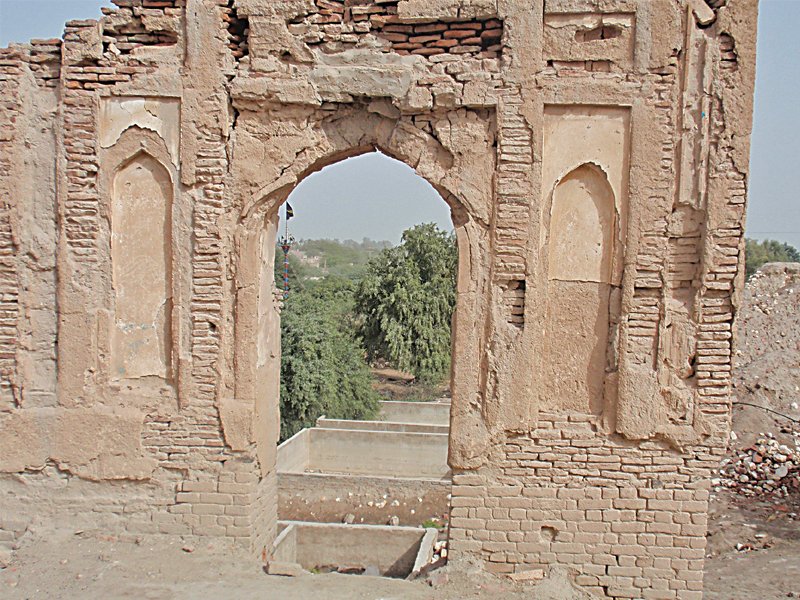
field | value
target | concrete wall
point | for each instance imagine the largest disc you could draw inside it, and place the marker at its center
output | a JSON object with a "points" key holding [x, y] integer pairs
{"points": [[284, 549], [432, 413], [383, 453], [294, 454], [382, 426]]}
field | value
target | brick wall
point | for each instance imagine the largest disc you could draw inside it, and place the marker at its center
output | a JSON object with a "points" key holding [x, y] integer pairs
{"points": [[340, 24], [11, 67], [630, 518], [627, 514], [219, 497]]}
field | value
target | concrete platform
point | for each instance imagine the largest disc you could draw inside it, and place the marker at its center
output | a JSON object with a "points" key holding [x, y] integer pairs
{"points": [[364, 452], [376, 471]]}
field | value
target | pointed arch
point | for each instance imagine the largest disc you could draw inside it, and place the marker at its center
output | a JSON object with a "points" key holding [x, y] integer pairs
{"points": [[581, 246], [583, 224]]}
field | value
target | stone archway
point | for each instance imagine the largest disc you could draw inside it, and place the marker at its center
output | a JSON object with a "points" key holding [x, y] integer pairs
{"points": [[257, 321], [492, 103]]}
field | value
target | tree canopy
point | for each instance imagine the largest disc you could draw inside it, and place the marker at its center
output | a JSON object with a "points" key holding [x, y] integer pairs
{"points": [[323, 368], [396, 306], [759, 253], [405, 302]]}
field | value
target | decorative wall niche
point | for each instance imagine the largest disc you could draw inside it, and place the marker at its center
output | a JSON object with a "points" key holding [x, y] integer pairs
{"points": [[159, 115], [582, 227], [141, 248], [585, 188]]}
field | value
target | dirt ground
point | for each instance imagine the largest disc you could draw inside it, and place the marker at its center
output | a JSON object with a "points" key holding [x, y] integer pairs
{"points": [[767, 374], [768, 565], [66, 565], [368, 509], [392, 384]]}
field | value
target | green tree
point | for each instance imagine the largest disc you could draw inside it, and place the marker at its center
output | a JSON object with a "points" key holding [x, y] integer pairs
{"points": [[405, 302], [323, 371], [758, 253]]}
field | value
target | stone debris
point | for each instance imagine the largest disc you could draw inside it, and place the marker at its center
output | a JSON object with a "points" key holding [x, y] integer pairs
{"points": [[439, 550], [5, 557], [765, 468], [351, 570], [438, 579], [285, 569], [766, 370]]}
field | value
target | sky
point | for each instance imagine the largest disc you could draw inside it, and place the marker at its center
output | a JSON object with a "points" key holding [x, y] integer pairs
{"points": [[374, 196]]}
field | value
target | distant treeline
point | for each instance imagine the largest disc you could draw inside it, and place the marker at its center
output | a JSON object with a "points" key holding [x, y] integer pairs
{"points": [[767, 251]]}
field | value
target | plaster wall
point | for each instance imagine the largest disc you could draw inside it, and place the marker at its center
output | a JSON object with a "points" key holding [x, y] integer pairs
{"points": [[141, 239], [596, 455], [433, 413], [363, 452]]}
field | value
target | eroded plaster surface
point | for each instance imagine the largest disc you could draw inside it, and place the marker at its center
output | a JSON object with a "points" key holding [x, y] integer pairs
{"points": [[585, 182], [160, 115], [594, 154], [141, 244]]}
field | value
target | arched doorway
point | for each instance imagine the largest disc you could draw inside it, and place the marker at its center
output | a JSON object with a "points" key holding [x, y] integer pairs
{"points": [[256, 356], [365, 347]]}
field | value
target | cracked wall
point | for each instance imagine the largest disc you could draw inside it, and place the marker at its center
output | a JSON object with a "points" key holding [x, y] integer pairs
{"points": [[594, 157]]}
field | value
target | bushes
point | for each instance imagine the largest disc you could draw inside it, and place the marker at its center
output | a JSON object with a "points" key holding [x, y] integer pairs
{"points": [[399, 311], [759, 253], [323, 371]]}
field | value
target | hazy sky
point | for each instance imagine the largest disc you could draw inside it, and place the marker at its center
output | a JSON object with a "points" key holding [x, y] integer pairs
{"points": [[373, 196]]}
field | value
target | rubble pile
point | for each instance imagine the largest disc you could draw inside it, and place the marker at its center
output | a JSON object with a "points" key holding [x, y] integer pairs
{"points": [[767, 363], [439, 551], [767, 468]]}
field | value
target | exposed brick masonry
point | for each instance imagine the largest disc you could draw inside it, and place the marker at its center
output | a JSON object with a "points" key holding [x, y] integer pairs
{"points": [[238, 31], [11, 63], [631, 518], [467, 106], [340, 24]]}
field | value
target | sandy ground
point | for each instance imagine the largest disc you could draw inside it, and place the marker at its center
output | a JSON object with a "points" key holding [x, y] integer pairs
{"points": [[768, 566], [68, 564], [64, 564], [767, 373]]}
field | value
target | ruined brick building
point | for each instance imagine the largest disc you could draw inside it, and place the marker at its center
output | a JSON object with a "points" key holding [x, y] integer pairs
{"points": [[594, 154]]}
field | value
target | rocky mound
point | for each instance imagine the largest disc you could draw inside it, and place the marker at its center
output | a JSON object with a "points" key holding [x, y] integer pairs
{"points": [[767, 362]]}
